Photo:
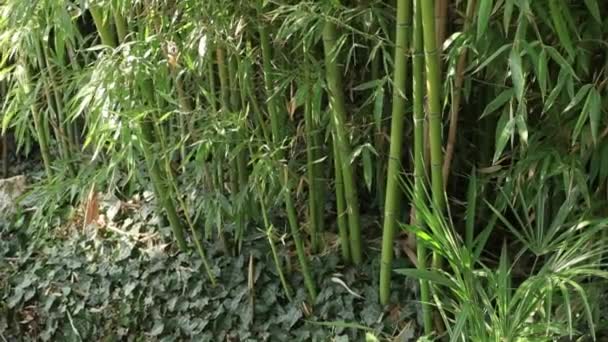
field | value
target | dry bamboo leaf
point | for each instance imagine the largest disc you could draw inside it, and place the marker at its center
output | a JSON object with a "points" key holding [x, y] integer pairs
{"points": [[91, 211]]}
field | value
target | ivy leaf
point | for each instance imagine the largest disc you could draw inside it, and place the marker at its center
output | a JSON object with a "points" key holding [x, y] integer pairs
{"points": [[15, 298], [157, 329]]}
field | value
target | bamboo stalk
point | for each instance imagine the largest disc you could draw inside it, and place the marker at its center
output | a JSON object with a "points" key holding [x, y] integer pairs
{"points": [[434, 100], [419, 164], [198, 240], [314, 215], [223, 75], [295, 233], [60, 135], [276, 122], [211, 80], [249, 100], [457, 96], [228, 100], [341, 205], [338, 110], [4, 155], [103, 27], [64, 132], [147, 133], [273, 250], [441, 20], [39, 126], [240, 162], [379, 142], [393, 191], [121, 25], [276, 127]]}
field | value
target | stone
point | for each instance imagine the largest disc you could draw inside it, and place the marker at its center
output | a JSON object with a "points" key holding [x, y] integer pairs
{"points": [[10, 190]]}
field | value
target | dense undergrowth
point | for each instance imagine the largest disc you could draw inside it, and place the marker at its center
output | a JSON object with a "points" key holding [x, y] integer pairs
{"points": [[123, 283]]}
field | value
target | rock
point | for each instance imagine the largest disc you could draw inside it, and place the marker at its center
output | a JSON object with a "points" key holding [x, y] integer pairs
{"points": [[10, 190]]}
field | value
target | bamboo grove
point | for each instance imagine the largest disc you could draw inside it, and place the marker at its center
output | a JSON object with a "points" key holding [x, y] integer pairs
{"points": [[466, 139]]}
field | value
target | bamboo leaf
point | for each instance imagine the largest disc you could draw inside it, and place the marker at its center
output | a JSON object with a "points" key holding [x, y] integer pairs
{"points": [[483, 18], [498, 102], [492, 57], [578, 97], [595, 113], [517, 74], [588, 312], [559, 59], [594, 9], [503, 135], [566, 296], [583, 116], [522, 128], [542, 72], [562, 78], [379, 108], [367, 168], [555, 10], [508, 12], [471, 208], [432, 276], [368, 85]]}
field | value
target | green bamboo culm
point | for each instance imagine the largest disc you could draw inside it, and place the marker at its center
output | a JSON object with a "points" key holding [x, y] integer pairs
{"points": [[39, 126], [212, 96], [419, 193], [338, 118], [433, 74], [121, 25], [196, 236], [393, 191], [163, 193], [379, 141], [314, 214], [147, 133], [103, 27], [53, 106], [65, 137], [273, 250], [340, 205], [295, 233], [240, 162], [228, 100], [276, 122]]}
